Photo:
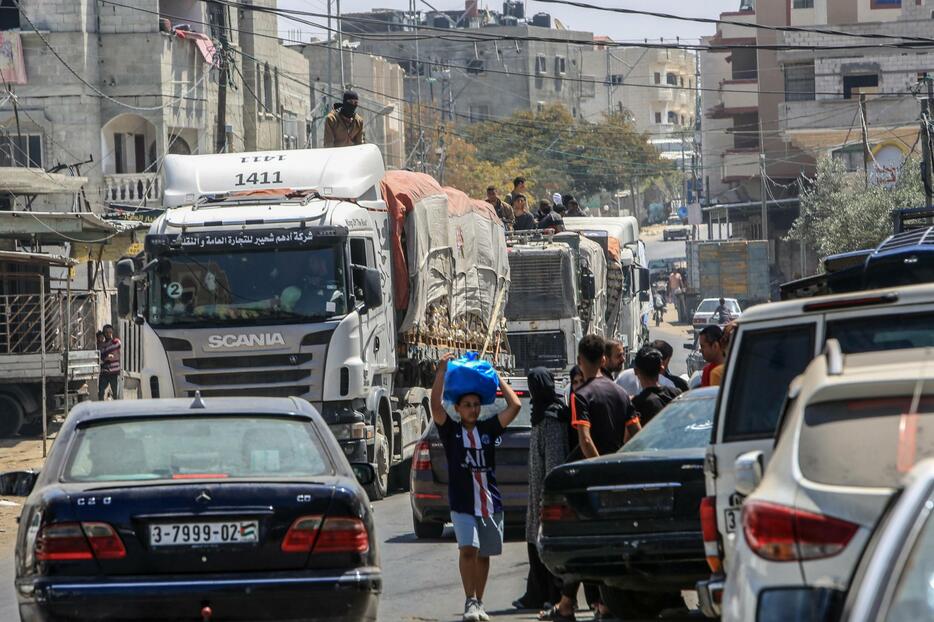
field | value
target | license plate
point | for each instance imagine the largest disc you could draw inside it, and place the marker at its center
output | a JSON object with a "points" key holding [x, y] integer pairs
{"points": [[730, 519], [187, 534]]}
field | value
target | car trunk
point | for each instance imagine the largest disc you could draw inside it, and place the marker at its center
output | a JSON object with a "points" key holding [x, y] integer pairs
{"points": [[626, 493], [512, 457], [135, 511]]}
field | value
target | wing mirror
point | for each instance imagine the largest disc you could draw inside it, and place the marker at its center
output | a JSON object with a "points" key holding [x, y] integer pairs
{"points": [[365, 473], [368, 280], [748, 469], [645, 280], [588, 286], [125, 269]]}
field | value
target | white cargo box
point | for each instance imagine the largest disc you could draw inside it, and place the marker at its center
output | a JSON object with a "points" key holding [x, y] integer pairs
{"points": [[344, 172]]}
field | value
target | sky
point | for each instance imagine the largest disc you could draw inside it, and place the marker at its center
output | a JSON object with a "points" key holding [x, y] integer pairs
{"points": [[618, 27]]}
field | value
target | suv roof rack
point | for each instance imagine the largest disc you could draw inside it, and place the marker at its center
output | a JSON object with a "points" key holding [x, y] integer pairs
{"points": [[834, 355]]}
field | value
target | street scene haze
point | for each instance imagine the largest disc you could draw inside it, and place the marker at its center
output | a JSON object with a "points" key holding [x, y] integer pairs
{"points": [[411, 311]]}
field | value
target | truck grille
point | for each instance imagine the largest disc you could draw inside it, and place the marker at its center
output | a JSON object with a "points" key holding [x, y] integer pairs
{"points": [[541, 286], [540, 349], [296, 391], [257, 360], [248, 377]]}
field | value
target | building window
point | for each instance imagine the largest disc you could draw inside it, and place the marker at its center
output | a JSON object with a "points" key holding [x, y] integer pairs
{"points": [[681, 80], [799, 82], [540, 106], [617, 79], [541, 64], [479, 113], [853, 86], [475, 66], [267, 89], [9, 15], [671, 79], [851, 157], [672, 117], [658, 117], [658, 78], [682, 119], [217, 19], [129, 153], [746, 131], [24, 150], [885, 4], [290, 130], [803, 4], [561, 65]]}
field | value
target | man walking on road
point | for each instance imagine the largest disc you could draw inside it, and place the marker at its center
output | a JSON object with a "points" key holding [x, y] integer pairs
{"points": [[110, 366], [343, 127], [711, 347], [653, 397], [476, 505], [676, 294]]}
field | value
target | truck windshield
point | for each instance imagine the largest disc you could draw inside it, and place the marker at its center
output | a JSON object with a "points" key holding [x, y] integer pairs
{"points": [[278, 285]]}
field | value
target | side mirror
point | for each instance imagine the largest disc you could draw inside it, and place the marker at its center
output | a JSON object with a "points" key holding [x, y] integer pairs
{"points": [[365, 473], [368, 280], [125, 269], [748, 469], [124, 297], [588, 286], [645, 280], [644, 297]]}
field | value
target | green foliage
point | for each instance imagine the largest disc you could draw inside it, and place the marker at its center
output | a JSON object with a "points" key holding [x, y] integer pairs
{"points": [[840, 214]]}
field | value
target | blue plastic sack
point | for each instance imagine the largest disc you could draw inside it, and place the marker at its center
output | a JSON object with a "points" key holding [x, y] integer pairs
{"points": [[468, 374]]}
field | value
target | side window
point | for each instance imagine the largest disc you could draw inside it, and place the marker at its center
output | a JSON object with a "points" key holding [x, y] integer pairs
{"points": [[361, 254], [358, 251], [767, 362]]}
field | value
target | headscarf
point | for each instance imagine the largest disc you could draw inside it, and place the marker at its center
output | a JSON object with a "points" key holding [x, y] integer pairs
{"points": [[545, 402]]}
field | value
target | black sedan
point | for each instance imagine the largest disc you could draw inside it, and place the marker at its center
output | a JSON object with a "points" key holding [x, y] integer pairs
{"points": [[222, 508], [428, 491], [630, 520]]}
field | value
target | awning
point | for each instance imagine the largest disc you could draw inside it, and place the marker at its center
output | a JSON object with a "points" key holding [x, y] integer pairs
{"points": [[21, 180], [61, 227], [44, 258]]}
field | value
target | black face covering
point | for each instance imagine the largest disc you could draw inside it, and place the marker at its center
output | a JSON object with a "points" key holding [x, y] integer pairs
{"points": [[545, 402], [348, 110]]}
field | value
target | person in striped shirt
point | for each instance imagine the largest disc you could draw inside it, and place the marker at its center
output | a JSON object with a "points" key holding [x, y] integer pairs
{"points": [[476, 505], [110, 365]]}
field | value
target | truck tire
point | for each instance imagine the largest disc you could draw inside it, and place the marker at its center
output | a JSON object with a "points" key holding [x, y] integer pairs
{"points": [[11, 415], [428, 530], [642, 605], [382, 459]]}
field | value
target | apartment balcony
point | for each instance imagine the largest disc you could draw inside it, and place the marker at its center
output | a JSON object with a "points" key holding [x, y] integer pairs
{"points": [[740, 164], [138, 189], [736, 97], [664, 94], [734, 34]]}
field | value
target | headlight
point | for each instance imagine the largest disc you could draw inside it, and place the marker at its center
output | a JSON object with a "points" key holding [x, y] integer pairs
{"points": [[349, 431]]}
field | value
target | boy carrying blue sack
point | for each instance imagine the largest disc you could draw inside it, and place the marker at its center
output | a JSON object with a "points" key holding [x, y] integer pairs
{"points": [[476, 506]]}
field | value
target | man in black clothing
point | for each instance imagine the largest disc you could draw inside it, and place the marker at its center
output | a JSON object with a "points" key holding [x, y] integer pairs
{"points": [[524, 220], [667, 352], [549, 218], [654, 397], [574, 209]]}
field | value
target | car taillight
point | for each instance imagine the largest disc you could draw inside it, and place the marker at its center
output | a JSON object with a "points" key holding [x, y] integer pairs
{"points": [[422, 459], [301, 535], [708, 520], [781, 533], [78, 541], [314, 534], [343, 535], [556, 512]]}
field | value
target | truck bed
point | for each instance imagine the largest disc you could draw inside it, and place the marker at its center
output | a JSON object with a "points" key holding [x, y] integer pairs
{"points": [[18, 368], [734, 269]]}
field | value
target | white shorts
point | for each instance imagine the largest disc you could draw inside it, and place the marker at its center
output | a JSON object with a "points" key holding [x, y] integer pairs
{"points": [[485, 534]]}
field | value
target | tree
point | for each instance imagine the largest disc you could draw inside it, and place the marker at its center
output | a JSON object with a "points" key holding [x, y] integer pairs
{"points": [[839, 213]]}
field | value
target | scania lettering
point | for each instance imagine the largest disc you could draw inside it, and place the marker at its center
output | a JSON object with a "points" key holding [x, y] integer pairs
{"points": [[293, 288]]}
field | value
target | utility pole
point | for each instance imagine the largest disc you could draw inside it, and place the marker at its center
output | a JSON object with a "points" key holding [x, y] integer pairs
{"points": [[926, 141], [764, 191], [864, 128], [340, 43], [418, 91], [220, 138], [609, 84], [330, 55]]}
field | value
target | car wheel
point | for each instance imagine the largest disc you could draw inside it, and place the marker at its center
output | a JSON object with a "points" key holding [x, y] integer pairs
{"points": [[377, 490], [425, 530], [11, 415], [630, 605]]}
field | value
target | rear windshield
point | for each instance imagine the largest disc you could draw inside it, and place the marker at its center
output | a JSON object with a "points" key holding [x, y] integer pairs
{"points": [[834, 432], [709, 306], [882, 332], [522, 420], [684, 424], [193, 447]]}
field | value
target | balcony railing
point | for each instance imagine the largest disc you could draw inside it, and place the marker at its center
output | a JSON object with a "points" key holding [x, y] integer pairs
{"points": [[21, 323], [137, 188]]}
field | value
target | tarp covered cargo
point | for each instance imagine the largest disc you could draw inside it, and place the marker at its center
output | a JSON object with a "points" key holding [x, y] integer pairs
{"points": [[453, 257]]}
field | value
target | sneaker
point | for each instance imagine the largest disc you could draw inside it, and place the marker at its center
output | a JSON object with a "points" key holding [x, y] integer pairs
{"points": [[484, 616], [472, 610]]}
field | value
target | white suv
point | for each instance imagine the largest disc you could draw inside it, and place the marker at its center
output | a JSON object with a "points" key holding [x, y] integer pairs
{"points": [[773, 344], [852, 428]]}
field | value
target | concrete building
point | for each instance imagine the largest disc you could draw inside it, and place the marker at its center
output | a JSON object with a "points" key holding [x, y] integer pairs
{"points": [[380, 86], [136, 88]]}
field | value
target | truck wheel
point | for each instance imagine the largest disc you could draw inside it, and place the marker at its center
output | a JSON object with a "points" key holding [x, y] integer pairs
{"points": [[424, 531], [377, 490], [630, 605], [11, 415]]}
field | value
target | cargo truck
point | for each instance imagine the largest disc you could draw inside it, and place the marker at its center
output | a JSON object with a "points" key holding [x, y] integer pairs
{"points": [[729, 269], [316, 274]]}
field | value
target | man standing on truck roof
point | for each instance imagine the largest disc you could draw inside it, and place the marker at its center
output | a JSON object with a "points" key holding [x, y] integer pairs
{"points": [[343, 127], [711, 347], [503, 210], [110, 366], [524, 220], [476, 505], [518, 187]]}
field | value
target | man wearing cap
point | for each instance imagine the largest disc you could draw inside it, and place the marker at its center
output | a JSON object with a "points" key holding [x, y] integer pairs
{"points": [[343, 127]]}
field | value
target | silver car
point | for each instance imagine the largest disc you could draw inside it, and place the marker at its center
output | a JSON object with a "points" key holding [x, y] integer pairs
{"points": [[850, 430]]}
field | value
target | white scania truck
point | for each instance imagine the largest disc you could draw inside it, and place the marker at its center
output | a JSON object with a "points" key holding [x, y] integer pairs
{"points": [[271, 274]]}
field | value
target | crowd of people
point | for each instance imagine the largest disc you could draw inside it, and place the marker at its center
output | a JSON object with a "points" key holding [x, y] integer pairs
{"points": [[604, 407], [516, 214]]}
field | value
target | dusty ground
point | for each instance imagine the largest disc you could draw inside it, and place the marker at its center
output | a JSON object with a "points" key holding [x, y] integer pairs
{"points": [[16, 454]]}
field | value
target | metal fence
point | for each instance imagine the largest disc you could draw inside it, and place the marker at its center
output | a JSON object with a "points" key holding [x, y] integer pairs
{"points": [[21, 322]]}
